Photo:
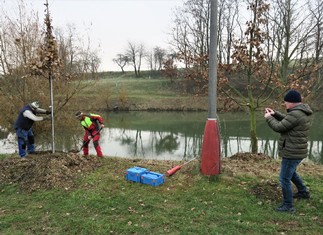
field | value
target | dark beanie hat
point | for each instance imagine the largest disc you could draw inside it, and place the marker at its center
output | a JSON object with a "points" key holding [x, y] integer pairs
{"points": [[293, 96]]}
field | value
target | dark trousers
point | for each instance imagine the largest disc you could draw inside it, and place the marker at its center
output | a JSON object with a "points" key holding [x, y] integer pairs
{"points": [[286, 176]]}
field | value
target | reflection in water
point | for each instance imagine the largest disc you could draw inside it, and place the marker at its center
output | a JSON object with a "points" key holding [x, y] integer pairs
{"points": [[170, 136], [160, 145], [168, 142], [178, 146], [149, 144]]}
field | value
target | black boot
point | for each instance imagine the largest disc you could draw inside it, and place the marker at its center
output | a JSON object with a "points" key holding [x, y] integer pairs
{"points": [[284, 208], [302, 195]]}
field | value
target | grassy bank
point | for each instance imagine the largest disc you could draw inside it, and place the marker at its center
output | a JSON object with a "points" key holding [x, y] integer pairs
{"points": [[101, 201], [128, 93]]}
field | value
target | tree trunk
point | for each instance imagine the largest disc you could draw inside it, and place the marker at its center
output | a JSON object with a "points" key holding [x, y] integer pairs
{"points": [[253, 131]]}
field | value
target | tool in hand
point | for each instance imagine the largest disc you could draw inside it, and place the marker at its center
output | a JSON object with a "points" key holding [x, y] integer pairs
{"points": [[86, 142], [177, 168]]}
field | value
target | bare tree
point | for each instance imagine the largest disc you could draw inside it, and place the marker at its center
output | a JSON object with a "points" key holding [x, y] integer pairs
{"points": [[19, 36], [291, 30], [190, 39], [150, 62], [135, 53], [190, 35], [316, 41], [316, 17], [156, 59], [94, 63], [121, 60], [159, 57], [228, 21], [69, 50]]}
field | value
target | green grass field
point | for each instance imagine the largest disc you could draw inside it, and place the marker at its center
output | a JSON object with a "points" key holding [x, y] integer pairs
{"points": [[130, 93], [103, 202]]}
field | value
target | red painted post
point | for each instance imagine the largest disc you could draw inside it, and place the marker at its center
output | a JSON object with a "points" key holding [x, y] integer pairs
{"points": [[210, 160]]}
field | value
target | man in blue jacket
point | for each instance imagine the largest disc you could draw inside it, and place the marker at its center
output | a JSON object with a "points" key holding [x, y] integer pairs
{"points": [[292, 145], [23, 126]]}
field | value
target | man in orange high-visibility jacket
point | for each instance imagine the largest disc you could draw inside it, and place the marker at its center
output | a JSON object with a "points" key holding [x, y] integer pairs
{"points": [[92, 123]]}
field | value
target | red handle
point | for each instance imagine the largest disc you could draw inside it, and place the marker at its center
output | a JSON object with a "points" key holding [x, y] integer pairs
{"points": [[173, 170]]}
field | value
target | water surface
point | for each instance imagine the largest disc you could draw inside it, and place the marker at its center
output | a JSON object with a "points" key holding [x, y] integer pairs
{"points": [[172, 136]]}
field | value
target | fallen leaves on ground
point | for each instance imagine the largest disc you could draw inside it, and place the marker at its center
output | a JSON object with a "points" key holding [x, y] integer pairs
{"points": [[46, 170]]}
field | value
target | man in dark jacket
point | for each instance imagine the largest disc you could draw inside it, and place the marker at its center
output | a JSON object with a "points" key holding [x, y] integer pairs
{"points": [[23, 126], [294, 130]]}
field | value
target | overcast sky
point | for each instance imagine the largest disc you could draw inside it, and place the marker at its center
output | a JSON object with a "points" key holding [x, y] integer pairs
{"points": [[112, 23]]}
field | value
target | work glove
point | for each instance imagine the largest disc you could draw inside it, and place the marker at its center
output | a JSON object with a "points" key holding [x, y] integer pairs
{"points": [[48, 112], [47, 117]]}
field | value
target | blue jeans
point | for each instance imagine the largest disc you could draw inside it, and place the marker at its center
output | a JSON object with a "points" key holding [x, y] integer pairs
{"points": [[286, 176], [25, 140]]}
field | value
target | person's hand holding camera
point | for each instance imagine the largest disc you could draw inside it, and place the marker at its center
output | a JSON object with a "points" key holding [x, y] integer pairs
{"points": [[269, 112]]}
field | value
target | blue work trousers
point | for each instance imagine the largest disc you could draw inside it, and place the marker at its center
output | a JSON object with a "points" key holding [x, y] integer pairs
{"points": [[25, 140]]}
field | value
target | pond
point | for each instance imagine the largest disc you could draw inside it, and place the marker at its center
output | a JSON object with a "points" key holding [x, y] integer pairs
{"points": [[172, 136]]}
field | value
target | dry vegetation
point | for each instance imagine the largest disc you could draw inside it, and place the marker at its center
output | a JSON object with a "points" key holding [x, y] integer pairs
{"points": [[46, 170]]}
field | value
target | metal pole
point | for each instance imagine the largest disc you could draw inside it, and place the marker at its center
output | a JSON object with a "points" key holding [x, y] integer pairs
{"points": [[213, 60], [52, 110]]}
